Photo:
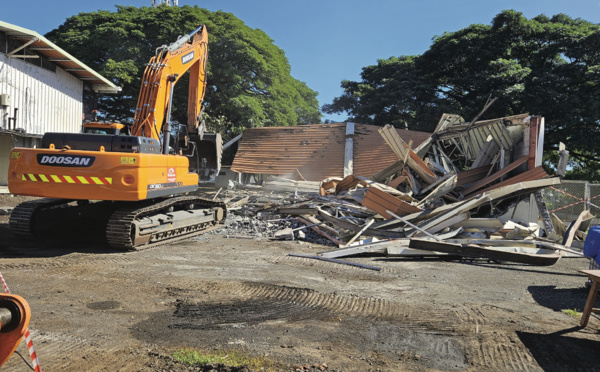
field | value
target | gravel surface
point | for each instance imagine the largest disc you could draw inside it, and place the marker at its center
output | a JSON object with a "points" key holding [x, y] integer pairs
{"points": [[95, 309]]}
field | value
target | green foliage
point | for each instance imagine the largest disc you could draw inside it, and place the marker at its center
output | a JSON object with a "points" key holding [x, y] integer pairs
{"points": [[249, 81], [543, 66], [230, 358], [572, 313], [391, 92]]}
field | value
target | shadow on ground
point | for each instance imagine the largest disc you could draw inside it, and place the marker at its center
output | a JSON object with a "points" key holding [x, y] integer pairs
{"points": [[560, 299], [556, 352]]}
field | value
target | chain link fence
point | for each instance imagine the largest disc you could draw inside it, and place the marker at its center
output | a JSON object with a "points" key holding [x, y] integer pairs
{"points": [[570, 198]]}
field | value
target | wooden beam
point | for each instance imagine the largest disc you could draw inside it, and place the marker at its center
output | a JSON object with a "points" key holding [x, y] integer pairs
{"points": [[574, 226]]}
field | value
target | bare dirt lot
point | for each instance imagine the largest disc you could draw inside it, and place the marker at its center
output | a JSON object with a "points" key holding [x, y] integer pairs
{"points": [[94, 309]]}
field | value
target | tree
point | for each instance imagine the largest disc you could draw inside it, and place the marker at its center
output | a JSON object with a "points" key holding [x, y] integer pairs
{"points": [[391, 92], [249, 80], [544, 66]]}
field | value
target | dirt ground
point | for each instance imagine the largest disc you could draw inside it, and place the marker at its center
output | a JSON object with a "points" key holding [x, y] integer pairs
{"points": [[94, 309]]}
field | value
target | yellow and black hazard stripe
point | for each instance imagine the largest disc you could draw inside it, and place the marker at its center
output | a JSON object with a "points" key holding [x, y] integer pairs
{"points": [[57, 178]]}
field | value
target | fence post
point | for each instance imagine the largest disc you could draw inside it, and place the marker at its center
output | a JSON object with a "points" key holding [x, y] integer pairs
{"points": [[586, 197]]}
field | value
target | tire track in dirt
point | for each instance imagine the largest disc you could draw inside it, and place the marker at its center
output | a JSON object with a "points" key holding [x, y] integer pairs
{"points": [[267, 302], [69, 260], [69, 349], [502, 353], [334, 304], [63, 352]]}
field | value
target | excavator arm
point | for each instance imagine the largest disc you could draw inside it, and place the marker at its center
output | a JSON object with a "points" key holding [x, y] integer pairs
{"points": [[152, 113]]}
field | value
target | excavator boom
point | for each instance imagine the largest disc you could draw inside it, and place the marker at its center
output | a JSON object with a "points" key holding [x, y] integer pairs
{"points": [[160, 76]]}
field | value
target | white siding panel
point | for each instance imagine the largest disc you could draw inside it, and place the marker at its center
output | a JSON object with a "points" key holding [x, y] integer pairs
{"points": [[47, 101]]}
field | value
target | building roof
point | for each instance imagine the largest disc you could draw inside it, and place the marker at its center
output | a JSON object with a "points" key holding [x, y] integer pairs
{"points": [[34, 42], [315, 152]]}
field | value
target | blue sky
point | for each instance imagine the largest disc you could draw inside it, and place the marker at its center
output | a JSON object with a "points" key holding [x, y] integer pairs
{"points": [[326, 41]]}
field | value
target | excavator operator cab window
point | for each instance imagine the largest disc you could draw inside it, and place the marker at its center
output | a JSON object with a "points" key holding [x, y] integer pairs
{"points": [[96, 131], [178, 139]]}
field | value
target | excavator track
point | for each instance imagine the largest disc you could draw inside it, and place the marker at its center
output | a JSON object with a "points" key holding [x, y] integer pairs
{"points": [[151, 224], [23, 217], [126, 225]]}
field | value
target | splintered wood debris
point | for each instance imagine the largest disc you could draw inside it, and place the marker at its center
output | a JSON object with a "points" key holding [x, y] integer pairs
{"points": [[468, 191]]}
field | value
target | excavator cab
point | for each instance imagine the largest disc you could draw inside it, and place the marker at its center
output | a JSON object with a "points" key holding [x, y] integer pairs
{"points": [[98, 127]]}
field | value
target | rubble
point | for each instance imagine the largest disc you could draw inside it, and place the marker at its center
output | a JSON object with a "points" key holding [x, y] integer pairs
{"points": [[471, 189], [5, 211]]}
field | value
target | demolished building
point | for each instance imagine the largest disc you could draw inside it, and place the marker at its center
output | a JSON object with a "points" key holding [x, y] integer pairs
{"points": [[469, 189]]}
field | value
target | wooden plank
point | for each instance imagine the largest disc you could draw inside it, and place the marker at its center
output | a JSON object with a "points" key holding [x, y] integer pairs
{"points": [[483, 224], [325, 228], [369, 223], [414, 226], [397, 181], [362, 266], [574, 226], [448, 223], [442, 189], [496, 194], [297, 211], [461, 207], [533, 137], [401, 251], [380, 233], [388, 171], [320, 232], [377, 247], [494, 254], [403, 151], [594, 276], [486, 154]]}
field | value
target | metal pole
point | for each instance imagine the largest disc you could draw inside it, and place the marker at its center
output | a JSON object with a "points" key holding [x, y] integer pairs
{"points": [[167, 131]]}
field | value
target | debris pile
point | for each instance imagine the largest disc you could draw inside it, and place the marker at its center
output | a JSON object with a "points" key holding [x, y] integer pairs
{"points": [[471, 190]]}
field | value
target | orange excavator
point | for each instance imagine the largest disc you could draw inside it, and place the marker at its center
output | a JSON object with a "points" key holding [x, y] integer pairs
{"points": [[139, 187]]}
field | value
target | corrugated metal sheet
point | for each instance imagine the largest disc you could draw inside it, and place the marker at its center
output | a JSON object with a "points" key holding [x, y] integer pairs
{"points": [[381, 202], [316, 151], [472, 175], [536, 173], [372, 153], [46, 101], [38, 44]]}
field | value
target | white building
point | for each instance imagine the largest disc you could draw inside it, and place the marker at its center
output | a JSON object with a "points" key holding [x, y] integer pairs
{"points": [[41, 90]]}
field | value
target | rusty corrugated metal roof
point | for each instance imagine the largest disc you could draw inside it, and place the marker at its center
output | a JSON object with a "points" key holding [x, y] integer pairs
{"points": [[536, 173], [381, 202], [315, 152], [372, 153]]}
